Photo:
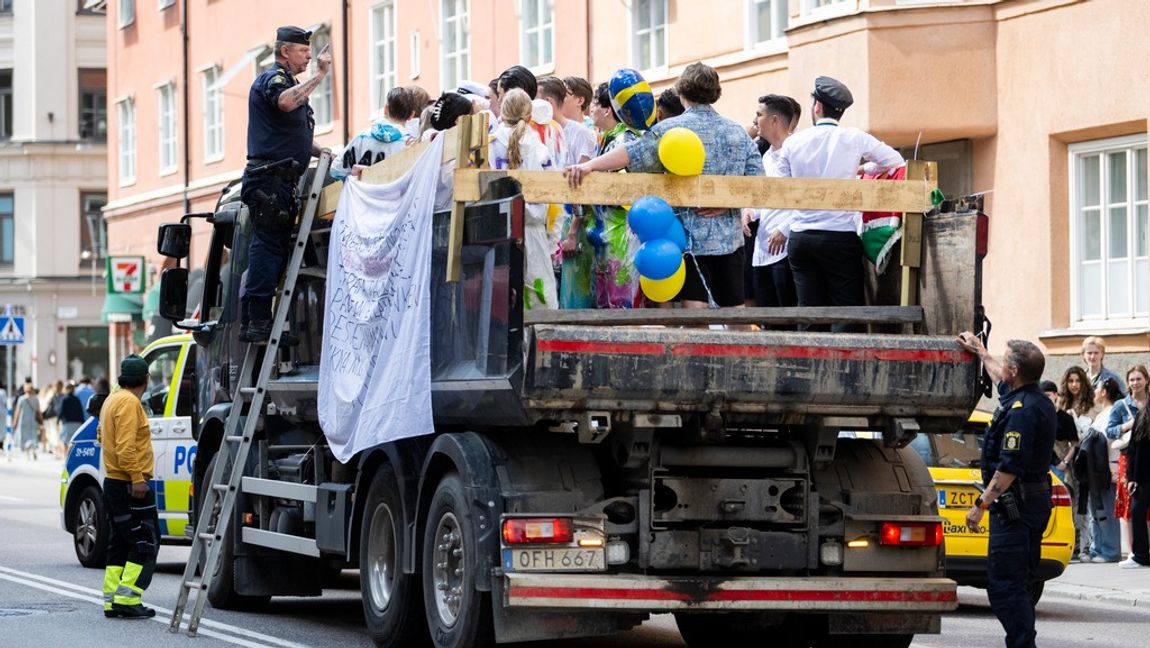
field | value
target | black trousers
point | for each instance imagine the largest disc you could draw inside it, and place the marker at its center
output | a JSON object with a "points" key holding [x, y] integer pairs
{"points": [[774, 285], [828, 270], [135, 530], [1140, 536]]}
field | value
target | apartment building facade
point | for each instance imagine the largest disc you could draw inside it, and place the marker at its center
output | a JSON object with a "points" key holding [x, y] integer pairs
{"points": [[53, 185], [997, 91]]}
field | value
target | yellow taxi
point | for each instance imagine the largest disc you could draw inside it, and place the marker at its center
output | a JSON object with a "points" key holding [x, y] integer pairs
{"points": [[953, 461]]}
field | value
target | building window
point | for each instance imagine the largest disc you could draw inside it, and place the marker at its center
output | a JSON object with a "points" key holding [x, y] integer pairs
{"points": [[167, 119], [88, 352], [383, 60], [93, 104], [5, 104], [821, 6], [538, 29], [126, 112], [127, 13], [5, 6], [1108, 230], [650, 45], [164, 4], [213, 116], [7, 229], [768, 20], [415, 54], [92, 7], [321, 98], [93, 232], [456, 40]]}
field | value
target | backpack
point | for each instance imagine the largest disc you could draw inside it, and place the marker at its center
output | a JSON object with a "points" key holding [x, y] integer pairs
{"points": [[53, 409]]}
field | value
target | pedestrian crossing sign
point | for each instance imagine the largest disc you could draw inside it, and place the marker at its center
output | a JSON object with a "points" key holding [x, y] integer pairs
{"points": [[11, 329], [126, 275]]}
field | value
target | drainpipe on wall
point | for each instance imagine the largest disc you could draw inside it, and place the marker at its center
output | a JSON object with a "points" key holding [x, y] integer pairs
{"points": [[346, 89], [187, 110]]}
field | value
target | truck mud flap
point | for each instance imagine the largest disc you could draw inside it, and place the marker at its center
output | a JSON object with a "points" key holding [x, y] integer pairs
{"points": [[652, 593]]}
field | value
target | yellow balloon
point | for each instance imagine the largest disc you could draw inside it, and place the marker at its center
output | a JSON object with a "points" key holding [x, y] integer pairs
{"points": [[681, 152], [661, 290]]}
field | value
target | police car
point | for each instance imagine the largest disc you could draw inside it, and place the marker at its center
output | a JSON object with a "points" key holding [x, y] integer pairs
{"points": [[168, 400], [954, 463]]}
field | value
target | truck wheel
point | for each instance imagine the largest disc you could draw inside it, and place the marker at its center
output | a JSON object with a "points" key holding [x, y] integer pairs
{"points": [[736, 629], [392, 601], [90, 528], [222, 590], [458, 615]]}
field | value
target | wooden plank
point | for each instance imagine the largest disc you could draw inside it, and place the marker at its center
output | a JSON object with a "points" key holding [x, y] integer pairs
{"points": [[680, 316], [911, 254], [714, 191], [455, 235], [389, 170]]}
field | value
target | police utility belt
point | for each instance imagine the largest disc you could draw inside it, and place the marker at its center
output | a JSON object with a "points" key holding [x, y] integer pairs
{"points": [[271, 192], [1011, 502]]}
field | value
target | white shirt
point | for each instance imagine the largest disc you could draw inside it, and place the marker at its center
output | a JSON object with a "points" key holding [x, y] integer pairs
{"points": [[580, 142], [832, 151], [770, 219]]}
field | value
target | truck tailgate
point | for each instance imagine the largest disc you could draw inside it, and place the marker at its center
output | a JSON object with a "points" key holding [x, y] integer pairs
{"points": [[669, 369]]}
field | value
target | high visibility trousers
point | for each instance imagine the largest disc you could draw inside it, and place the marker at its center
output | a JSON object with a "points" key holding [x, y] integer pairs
{"points": [[132, 545]]}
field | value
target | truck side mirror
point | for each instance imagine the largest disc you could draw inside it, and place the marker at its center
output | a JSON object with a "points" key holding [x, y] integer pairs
{"points": [[174, 293], [175, 240]]}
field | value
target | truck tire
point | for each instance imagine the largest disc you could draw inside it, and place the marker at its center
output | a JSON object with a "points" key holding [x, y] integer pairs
{"points": [[222, 590], [737, 629], [90, 528], [458, 615], [392, 601]]}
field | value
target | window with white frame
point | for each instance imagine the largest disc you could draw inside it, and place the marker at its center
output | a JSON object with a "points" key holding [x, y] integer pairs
{"points": [[126, 113], [384, 69], [415, 54], [767, 20], [537, 26], [649, 48], [164, 4], [167, 118], [1108, 231], [456, 41], [213, 116], [810, 6], [321, 98], [127, 12]]}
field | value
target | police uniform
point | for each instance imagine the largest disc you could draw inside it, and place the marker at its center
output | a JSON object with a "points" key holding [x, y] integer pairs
{"points": [[1020, 441], [272, 195]]}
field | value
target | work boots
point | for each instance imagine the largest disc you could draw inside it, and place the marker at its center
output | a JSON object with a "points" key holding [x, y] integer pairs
{"points": [[137, 611], [259, 331]]}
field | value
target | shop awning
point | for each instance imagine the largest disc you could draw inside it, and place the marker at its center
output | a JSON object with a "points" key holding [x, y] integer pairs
{"points": [[122, 308]]}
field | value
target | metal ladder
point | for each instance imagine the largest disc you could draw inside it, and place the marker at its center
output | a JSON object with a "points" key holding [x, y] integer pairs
{"points": [[215, 513]]}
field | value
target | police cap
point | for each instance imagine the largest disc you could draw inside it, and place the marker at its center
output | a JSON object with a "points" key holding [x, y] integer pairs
{"points": [[291, 34], [832, 93]]}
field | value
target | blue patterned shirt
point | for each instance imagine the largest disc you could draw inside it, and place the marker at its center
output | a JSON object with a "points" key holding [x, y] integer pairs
{"points": [[729, 150]]}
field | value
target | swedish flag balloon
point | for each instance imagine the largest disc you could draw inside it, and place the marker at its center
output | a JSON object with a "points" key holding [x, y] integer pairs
{"points": [[632, 99]]}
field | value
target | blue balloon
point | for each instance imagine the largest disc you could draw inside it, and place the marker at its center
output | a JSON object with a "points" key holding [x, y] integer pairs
{"points": [[677, 234], [658, 259], [649, 218], [632, 99]]}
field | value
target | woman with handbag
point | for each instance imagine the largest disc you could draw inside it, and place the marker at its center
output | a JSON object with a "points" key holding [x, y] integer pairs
{"points": [[26, 422], [1118, 430]]}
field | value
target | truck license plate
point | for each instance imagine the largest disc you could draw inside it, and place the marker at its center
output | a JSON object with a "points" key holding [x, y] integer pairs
{"points": [[554, 560]]}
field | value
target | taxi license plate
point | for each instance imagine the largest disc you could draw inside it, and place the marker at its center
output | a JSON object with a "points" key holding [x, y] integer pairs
{"points": [[554, 560], [956, 498]]}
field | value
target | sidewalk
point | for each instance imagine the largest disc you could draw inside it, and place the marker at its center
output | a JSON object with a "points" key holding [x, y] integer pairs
{"points": [[46, 464], [1103, 583]]}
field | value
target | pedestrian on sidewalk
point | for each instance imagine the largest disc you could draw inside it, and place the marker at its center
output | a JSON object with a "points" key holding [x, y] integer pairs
{"points": [[1118, 430], [1138, 485], [1097, 472], [1076, 399], [26, 422], [133, 520], [1015, 469], [72, 414]]}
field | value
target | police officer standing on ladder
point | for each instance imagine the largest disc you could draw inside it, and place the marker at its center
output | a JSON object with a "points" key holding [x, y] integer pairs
{"points": [[1015, 463], [280, 146]]}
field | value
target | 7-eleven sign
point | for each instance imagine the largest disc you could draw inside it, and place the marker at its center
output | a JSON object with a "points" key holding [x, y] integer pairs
{"points": [[126, 274]]}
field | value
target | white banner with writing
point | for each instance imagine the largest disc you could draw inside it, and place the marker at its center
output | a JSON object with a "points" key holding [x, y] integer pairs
{"points": [[375, 370]]}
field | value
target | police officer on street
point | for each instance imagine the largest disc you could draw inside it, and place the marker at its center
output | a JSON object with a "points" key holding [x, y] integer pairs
{"points": [[280, 146], [1015, 460], [126, 439]]}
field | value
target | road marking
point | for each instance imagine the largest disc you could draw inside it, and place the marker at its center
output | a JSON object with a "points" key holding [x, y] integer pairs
{"points": [[12, 499], [96, 597]]}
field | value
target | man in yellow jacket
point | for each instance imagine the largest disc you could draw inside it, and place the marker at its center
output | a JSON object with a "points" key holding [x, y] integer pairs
{"points": [[126, 443]]}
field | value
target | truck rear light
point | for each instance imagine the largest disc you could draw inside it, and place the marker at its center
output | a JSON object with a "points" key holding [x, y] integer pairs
{"points": [[1059, 495], [538, 530], [911, 534]]}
